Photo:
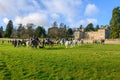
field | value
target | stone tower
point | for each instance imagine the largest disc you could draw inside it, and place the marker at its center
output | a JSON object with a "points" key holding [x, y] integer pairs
{"points": [[79, 34]]}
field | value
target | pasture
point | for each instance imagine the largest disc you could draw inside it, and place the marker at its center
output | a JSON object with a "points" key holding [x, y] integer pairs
{"points": [[84, 62]]}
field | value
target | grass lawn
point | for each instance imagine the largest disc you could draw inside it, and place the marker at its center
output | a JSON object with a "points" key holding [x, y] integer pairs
{"points": [[85, 62]]}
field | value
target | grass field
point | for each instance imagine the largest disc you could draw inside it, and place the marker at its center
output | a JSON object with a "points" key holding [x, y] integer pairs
{"points": [[85, 62]]}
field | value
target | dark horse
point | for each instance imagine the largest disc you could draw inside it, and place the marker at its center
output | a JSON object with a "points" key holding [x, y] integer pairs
{"points": [[102, 41], [49, 42], [23, 42], [35, 42]]}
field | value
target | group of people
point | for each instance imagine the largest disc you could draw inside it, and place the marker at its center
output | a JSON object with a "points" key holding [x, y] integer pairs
{"points": [[35, 42]]}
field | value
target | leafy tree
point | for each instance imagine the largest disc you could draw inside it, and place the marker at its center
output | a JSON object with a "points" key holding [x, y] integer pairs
{"points": [[53, 31], [54, 24], [61, 25], [30, 30], [97, 27], [1, 32], [40, 32], [89, 27], [14, 33], [70, 32], [43, 32], [62, 31], [21, 32], [9, 29], [81, 27], [115, 23]]}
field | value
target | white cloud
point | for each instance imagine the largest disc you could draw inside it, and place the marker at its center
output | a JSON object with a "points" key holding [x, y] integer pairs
{"points": [[91, 10], [42, 12], [18, 20], [85, 22], [55, 16], [70, 20], [5, 20], [35, 18], [91, 20], [23, 11], [66, 8], [19, 7]]}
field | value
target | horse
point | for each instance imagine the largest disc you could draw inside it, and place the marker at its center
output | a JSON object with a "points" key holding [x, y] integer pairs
{"points": [[16, 43], [102, 41], [62, 41], [69, 43], [23, 42], [32, 42], [42, 42], [79, 42], [49, 42], [28, 43]]}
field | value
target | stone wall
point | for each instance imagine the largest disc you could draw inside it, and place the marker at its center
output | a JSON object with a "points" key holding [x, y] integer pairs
{"points": [[112, 41], [107, 41]]}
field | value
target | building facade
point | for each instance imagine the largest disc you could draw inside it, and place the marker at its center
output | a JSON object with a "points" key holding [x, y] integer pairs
{"points": [[102, 33]]}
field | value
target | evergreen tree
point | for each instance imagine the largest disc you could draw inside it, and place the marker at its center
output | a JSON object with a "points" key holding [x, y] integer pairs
{"points": [[9, 29], [115, 23]]}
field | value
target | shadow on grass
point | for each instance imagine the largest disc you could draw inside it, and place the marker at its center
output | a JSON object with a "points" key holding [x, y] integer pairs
{"points": [[54, 48]]}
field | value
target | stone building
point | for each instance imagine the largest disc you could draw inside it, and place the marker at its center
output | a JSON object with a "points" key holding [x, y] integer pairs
{"points": [[102, 33]]}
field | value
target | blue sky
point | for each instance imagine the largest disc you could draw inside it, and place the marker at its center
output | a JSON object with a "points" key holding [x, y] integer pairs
{"points": [[44, 12]]}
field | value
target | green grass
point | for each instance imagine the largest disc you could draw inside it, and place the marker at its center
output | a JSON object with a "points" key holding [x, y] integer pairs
{"points": [[85, 62]]}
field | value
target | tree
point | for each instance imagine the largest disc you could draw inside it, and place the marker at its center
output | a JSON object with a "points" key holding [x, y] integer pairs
{"points": [[1, 32], [81, 27], [70, 32], [53, 31], [89, 27], [115, 23], [40, 32], [54, 24], [62, 31], [21, 32], [14, 33], [30, 30], [61, 25], [9, 29], [97, 27]]}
